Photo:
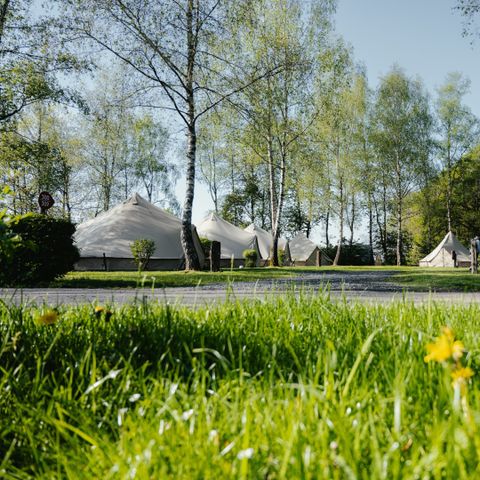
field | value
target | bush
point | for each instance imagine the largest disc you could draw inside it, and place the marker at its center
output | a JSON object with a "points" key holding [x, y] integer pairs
{"points": [[355, 254], [206, 246], [142, 249], [251, 257], [43, 252]]}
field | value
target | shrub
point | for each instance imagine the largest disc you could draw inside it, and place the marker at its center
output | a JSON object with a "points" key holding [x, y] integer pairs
{"points": [[355, 254], [44, 250], [142, 249], [251, 257], [206, 246]]}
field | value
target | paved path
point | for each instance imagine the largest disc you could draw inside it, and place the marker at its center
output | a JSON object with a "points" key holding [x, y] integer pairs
{"points": [[205, 296]]}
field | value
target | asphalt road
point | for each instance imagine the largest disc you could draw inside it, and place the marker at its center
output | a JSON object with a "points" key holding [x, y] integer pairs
{"points": [[197, 297], [363, 286]]}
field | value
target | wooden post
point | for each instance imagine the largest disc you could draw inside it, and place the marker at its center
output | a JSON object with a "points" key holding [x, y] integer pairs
{"points": [[215, 250], [473, 256]]}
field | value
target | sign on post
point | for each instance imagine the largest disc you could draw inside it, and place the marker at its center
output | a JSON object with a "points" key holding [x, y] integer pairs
{"points": [[45, 201]]}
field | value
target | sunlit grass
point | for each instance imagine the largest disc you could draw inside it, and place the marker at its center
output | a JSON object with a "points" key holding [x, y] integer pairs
{"points": [[441, 279], [414, 278], [288, 388]]}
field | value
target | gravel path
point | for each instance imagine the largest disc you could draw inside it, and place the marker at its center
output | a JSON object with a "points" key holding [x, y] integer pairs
{"points": [[370, 287]]}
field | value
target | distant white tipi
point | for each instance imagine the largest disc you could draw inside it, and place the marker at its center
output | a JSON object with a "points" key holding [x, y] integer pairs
{"points": [[441, 256]]}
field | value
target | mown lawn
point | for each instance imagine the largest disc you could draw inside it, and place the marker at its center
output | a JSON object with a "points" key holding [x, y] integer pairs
{"points": [[167, 279], [411, 278], [285, 389], [442, 279]]}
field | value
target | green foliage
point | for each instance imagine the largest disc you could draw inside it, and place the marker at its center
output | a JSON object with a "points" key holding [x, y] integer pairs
{"points": [[142, 249], [28, 61], [251, 257], [316, 389], [402, 137], [30, 166], [355, 254], [206, 246], [45, 252], [430, 224], [8, 239]]}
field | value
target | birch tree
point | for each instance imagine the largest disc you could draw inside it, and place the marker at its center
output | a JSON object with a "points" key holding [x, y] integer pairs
{"points": [[458, 129], [402, 125], [175, 46], [278, 112]]}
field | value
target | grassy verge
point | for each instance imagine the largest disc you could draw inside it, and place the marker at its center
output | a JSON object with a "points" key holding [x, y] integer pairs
{"points": [[290, 388], [413, 278], [460, 280], [167, 279]]}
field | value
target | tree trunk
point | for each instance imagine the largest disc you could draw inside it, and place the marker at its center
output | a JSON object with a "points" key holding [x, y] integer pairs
{"points": [[449, 188], [192, 261], [327, 224], [351, 223], [399, 211], [340, 240], [273, 199], [281, 198], [399, 232], [3, 17], [191, 257], [370, 229]]}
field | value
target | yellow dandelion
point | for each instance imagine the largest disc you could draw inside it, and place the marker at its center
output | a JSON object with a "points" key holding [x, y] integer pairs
{"points": [[439, 351], [461, 375], [48, 318], [445, 347]]}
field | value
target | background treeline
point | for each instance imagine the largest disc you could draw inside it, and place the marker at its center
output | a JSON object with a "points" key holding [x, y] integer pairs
{"points": [[281, 122]]}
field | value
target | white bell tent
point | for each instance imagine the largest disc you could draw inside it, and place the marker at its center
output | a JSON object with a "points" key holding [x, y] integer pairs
{"points": [[441, 256], [265, 240], [233, 240], [104, 241], [303, 252]]}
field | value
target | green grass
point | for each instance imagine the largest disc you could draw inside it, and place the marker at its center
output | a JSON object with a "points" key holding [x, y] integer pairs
{"points": [[442, 279], [412, 278], [283, 389], [167, 279]]}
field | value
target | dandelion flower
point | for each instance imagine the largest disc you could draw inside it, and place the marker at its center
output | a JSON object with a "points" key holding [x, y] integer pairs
{"points": [[444, 347], [461, 375], [48, 318], [439, 351]]}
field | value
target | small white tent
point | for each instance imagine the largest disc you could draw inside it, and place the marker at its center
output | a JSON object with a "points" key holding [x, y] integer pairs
{"points": [[265, 240], [441, 256], [304, 252], [233, 240], [104, 241]]}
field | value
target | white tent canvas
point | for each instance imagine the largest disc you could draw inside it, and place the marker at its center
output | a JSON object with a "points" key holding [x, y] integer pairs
{"points": [[441, 256], [111, 233], [303, 250], [265, 240], [233, 240]]}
